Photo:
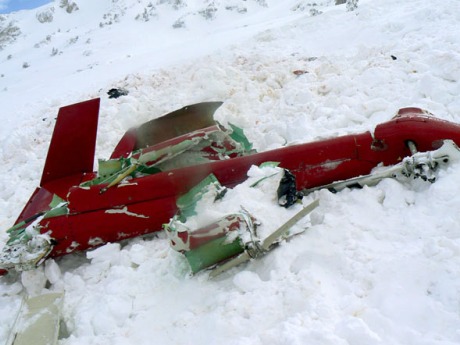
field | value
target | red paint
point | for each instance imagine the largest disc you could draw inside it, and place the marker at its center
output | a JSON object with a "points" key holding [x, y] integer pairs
{"points": [[72, 147]]}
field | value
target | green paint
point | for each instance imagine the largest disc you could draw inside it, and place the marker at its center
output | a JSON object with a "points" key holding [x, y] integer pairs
{"points": [[213, 252], [57, 211], [56, 201], [239, 136], [187, 202]]}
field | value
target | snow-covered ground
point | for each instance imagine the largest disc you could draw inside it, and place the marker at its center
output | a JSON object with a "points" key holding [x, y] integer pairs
{"points": [[379, 265]]}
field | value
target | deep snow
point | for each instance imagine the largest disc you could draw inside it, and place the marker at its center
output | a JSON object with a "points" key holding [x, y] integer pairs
{"points": [[376, 266]]}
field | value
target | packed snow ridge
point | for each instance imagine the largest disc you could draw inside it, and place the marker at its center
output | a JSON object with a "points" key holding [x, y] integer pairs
{"points": [[380, 265]]}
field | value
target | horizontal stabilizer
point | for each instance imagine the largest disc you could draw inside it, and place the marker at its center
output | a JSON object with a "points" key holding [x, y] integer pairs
{"points": [[179, 122]]}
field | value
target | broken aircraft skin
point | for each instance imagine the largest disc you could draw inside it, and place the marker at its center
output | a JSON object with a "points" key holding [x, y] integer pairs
{"points": [[136, 190]]}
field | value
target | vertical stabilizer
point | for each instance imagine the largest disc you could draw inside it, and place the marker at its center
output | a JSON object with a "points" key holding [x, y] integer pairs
{"points": [[72, 147]]}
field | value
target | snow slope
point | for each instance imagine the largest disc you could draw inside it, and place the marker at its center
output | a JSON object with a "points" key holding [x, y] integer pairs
{"points": [[376, 266]]}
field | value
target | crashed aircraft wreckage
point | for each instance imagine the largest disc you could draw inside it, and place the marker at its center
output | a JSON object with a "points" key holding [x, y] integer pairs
{"points": [[158, 170]]}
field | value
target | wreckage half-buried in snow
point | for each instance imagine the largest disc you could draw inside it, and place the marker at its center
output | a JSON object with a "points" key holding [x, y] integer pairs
{"points": [[137, 190]]}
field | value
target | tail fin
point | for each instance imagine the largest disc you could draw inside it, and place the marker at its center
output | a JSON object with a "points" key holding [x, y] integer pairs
{"points": [[72, 147]]}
